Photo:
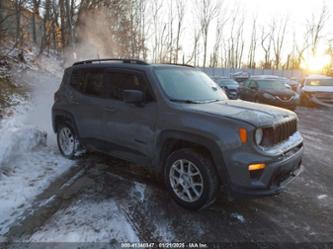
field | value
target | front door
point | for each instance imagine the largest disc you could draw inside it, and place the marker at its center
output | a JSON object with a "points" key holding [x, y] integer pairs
{"points": [[129, 128]]}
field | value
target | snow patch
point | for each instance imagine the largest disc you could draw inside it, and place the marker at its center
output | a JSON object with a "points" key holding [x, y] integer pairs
{"points": [[88, 220], [16, 141], [238, 217], [27, 164], [138, 191], [321, 197]]}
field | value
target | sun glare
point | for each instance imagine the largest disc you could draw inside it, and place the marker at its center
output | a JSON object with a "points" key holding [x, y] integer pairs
{"points": [[316, 63]]}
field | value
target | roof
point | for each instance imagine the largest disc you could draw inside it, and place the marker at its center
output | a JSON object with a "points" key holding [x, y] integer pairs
{"points": [[123, 63]]}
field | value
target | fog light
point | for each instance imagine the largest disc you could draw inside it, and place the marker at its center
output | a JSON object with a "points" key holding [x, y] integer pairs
{"points": [[257, 166]]}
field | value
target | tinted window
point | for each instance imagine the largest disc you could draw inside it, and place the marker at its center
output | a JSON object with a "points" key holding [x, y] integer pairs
{"points": [[227, 83], [117, 82], [78, 80], [94, 83], [252, 84], [272, 84], [245, 83]]}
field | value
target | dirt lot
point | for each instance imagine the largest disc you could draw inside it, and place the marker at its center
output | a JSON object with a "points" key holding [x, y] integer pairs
{"points": [[103, 199]]}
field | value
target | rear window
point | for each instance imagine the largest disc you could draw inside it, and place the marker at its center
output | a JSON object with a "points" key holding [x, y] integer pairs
{"points": [[88, 81], [78, 80], [94, 83]]}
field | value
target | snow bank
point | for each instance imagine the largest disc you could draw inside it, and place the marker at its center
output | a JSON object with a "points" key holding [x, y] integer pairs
{"points": [[28, 162], [16, 141]]}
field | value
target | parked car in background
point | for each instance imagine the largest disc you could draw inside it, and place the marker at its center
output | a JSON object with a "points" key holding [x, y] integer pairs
{"points": [[230, 86], [316, 90], [269, 90], [240, 77]]}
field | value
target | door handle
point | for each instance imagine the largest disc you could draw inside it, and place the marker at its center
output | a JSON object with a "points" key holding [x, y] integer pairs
{"points": [[109, 109]]}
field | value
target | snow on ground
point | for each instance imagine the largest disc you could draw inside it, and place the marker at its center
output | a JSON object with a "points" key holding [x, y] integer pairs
{"points": [[88, 220], [28, 162]]}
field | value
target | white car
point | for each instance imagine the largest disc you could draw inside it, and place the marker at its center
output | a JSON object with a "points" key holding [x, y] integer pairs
{"points": [[317, 90]]}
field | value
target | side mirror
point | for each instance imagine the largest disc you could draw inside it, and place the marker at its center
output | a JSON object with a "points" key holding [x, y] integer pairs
{"points": [[133, 96]]}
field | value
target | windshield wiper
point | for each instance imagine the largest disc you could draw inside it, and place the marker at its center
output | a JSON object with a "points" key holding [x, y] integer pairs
{"points": [[211, 101], [187, 101]]}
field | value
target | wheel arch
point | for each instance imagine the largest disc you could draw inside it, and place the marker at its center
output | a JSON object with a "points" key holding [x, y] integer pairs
{"points": [[169, 141], [63, 117]]}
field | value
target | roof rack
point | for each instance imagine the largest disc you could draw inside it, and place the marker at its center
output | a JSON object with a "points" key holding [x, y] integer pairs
{"points": [[177, 64], [129, 61]]}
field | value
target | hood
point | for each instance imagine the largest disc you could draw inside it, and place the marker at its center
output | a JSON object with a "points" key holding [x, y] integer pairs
{"points": [[256, 114], [281, 93], [328, 89]]}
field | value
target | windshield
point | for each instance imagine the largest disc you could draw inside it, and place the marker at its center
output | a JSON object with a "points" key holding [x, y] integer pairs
{"points": [[189, 85], [272, 84], [321, 82], [227, 83]]}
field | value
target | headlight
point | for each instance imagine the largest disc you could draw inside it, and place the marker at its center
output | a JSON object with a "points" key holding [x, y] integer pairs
{"points": [[268, 96], [258, 136]]}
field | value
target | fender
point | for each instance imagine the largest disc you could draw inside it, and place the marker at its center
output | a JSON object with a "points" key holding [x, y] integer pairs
{"points": [[66, 117], [208, 143]]}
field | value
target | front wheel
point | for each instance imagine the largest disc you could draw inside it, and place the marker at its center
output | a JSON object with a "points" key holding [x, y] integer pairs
{"points": [[191, 179], [67, 141]]}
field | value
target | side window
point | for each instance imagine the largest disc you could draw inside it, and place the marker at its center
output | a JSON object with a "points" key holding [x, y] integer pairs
{"points": [[95, 85], [78, 80], [253, 84], [246, 83], [117, 82]]}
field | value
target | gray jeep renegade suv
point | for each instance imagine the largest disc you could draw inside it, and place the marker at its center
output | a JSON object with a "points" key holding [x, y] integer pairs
{"points": [[178, 122]]}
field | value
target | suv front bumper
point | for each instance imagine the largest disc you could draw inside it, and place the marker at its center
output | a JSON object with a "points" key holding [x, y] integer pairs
{"points": [[274, 178]]}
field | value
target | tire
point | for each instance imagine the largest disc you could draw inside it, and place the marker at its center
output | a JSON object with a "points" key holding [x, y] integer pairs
{"points": [[62, 131], [201, 197]]}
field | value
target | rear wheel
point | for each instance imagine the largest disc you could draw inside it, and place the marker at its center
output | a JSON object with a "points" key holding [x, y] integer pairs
{"points": [[67, 141], [191, 179]]}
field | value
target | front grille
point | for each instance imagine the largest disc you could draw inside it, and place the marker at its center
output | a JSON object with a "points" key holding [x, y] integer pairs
{"points": [[285, 98], [284, 130], [279, 133]]}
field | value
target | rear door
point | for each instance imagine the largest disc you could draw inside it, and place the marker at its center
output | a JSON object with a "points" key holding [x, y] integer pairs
{"points": [[129, 129], [86, 95]]}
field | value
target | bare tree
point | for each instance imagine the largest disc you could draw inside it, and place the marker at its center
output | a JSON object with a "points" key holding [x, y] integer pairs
{"points": [[180, 16], [194, 55], [266, 45], [315, 28], [18, 7], [207, 11], [253, 45], [35, 14], [278, 33]]}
